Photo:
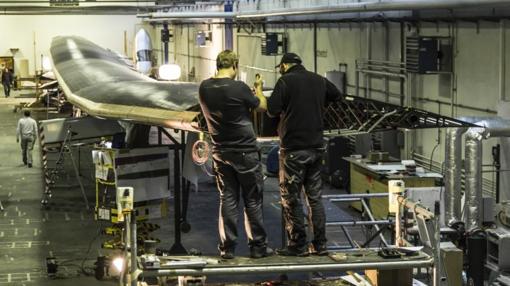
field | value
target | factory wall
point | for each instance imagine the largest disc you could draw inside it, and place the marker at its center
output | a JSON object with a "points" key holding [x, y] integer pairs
{"points": [[477, 67], [32, 34], [196, 62]]}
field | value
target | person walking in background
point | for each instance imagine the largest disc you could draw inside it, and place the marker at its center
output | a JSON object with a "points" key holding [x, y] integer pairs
{"points": [[7, 80], [26, 132]]}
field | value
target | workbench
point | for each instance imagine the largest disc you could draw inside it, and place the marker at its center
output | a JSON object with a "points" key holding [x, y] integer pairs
{"points": [[367, 177]]}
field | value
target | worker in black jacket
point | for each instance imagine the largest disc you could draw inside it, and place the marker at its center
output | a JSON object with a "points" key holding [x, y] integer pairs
{"points": [[227, 105], [299, 98], [7, 80]]}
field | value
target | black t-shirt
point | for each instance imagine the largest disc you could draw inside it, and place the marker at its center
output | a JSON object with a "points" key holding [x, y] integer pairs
{"points": [[299, 98], [227, 105]]}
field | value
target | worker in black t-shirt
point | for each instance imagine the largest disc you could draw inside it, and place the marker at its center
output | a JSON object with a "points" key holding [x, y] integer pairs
{"points": [[299, 98], [227, 104]]}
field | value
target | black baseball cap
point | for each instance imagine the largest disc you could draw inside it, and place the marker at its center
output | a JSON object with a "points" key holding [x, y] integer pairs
{"points": [[289, 58]]}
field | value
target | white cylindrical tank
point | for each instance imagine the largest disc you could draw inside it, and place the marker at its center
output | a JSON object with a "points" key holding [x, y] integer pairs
{"points": [[143, 48]]}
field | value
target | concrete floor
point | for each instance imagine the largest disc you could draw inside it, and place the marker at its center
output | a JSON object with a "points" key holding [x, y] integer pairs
{"points": [[65, 229]]}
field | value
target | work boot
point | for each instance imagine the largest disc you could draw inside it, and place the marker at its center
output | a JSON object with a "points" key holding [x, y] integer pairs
{"points": [[30, 165], [293, 251], [259, 252], [320, 250], [227, 254]]}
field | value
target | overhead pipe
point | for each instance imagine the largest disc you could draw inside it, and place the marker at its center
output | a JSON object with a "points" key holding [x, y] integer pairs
{"points": [[367, 6], [354, 7], [191, 15], [389, 5]]}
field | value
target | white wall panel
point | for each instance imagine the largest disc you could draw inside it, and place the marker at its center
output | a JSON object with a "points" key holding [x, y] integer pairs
{"points": [[32, 34]]}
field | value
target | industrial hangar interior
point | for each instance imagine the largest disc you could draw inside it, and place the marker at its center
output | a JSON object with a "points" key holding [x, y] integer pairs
{"points": [[255, 142]]}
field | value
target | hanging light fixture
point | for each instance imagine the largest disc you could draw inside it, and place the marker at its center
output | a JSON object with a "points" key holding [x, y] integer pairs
{"points": [[169, 72]]}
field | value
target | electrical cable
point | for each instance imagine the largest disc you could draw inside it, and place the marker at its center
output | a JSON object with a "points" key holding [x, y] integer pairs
{"points": [[432, 156]]}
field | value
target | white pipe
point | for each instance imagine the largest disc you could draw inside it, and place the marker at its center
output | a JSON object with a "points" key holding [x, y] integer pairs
{"points": [[192, 15], [389, 5], [367, 6], [495, 127]]}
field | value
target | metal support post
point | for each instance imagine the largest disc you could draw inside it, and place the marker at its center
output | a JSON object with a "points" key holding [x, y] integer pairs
{"points": [[398, 228], [177, 247], [437, 248], [77, 173], [127, 243], [496, 158], [133, 250]]}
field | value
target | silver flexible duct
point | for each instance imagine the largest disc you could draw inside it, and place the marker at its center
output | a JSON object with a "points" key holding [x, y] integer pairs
{"points": [[473, 179], [490, 128], [452, 175], [453, 170]]}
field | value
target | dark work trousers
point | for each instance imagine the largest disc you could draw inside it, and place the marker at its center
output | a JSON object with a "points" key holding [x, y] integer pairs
{"points": [[27, 145], [7, 89], [301, 171], [238, 175]]}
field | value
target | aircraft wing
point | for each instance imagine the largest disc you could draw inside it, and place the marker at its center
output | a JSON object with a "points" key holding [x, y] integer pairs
{"points": [[100, 83]]}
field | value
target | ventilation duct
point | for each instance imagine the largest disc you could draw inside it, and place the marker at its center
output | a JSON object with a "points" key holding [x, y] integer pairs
{"points": [[453, 170], [452, 174], [489, 128]]}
